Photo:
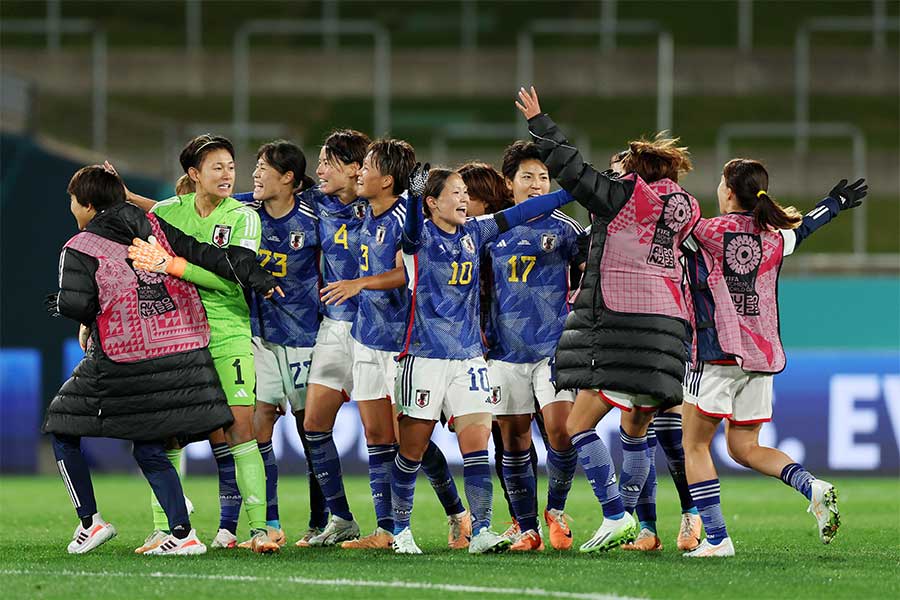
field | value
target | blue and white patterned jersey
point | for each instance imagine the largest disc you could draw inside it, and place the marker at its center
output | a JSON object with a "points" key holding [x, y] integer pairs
{"points": [[529, 300], [339, 225], [381, 315], [289, 249], [443, 276]]}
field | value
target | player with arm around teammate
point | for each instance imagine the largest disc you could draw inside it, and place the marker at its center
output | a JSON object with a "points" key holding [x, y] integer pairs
{"points": [[733, 275]]}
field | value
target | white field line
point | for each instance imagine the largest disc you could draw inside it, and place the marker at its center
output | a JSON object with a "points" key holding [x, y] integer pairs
{"points": [[346, 583]]}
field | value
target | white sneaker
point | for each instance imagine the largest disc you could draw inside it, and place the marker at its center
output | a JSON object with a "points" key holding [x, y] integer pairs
{"points": [[823, 505], [488, 542], [224, 539], [172, 546], [153, 540], [338, 530], [85, 540], [707, 550], [404, 543], [612, 534]]}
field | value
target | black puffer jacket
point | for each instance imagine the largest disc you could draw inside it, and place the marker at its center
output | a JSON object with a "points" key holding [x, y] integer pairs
{"points": [[177, 395], [599, 348]]}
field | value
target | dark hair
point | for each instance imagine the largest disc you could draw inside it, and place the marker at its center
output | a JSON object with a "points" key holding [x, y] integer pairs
{"points": [[395, 158], [437, 179], [287, 156], [659, 159], [749, 181], [485, 183], [196, 150], [517, 153], [95, 186], [346, 146], [184, 185]]}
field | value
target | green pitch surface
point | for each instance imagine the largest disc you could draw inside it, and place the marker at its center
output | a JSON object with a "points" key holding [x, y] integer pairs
{"points": [[778, 552]]}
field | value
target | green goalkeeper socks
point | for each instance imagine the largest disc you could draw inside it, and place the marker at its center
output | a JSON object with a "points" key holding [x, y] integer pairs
{"points": [[251, 480], [160, 521]]}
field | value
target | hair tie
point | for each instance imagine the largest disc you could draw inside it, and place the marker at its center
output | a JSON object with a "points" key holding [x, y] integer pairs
{"points": [[761, 192]]}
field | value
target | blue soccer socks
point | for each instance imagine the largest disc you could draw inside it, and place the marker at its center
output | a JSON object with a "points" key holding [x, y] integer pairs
{"points": [[521, 487], [560, 473], [434, 464], [327, 466], [708, 503], [798, 478], [479, 489], [597, 464], [381, 460], [403, 489]]}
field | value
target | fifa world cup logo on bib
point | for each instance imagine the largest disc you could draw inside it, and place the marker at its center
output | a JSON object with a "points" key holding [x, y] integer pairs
{"points": [[743, 256], [675, 214]]}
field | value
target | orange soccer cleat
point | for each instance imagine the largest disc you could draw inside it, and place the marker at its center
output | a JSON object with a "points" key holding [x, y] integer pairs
{"points": [[560, 534], [689, 532], [646, 541], [380, 539], [529, 541]]}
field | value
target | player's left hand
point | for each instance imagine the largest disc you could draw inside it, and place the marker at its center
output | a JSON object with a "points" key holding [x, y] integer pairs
{"points": [[528, 103], [849, 196], [275, 290], [340, 291], [417, 179], [51, 303]]}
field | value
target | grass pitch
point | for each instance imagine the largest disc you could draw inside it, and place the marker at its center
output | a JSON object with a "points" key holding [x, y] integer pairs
{"points": [[778, 551]]}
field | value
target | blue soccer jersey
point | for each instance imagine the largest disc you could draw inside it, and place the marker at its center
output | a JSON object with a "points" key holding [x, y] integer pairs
{"points": [[381, 315], [339, 226], [443, 277], [289, 249], [529, 300]]}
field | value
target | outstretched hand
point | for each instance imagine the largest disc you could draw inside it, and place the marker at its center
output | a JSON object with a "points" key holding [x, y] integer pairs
{"points": [[417, 180], [849, 196], [340, 291], [528, 103]]}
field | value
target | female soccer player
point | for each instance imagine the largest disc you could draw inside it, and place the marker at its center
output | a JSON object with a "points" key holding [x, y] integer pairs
{"points": [[442, 369], [530, 287], [627, 335], [734, 283]]}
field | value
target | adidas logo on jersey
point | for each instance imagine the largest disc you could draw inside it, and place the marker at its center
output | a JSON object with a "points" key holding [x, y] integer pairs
{"points": [[241, 393], [523, 243], [501, 244], [274, 238]]}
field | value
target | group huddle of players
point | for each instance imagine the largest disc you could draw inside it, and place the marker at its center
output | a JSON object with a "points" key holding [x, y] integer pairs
{"points": [[463, 297]]}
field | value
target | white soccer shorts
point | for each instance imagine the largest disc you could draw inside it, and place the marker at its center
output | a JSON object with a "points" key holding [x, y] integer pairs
{"points": [[427, 386], [373, 373], [729, 392], [627, 401], [332, 357], [281, 373], [517, 385]]}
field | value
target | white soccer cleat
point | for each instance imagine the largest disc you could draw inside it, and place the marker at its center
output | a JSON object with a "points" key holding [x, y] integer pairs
{"points": [[224, 539], [487, 542], [404, 543], [512, 532], [338, 530], [612, 534], [172, 546], [823, 505], [153, 540], [85, 540], [706, 550]]}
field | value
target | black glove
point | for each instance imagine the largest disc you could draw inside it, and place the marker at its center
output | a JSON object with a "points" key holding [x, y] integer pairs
{"points": [[51, 303], [261, 281], [849, 196], [417, 179]]}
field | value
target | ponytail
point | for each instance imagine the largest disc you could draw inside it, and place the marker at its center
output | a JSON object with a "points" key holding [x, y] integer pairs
{"points": [[748, 180], [184, 185]]}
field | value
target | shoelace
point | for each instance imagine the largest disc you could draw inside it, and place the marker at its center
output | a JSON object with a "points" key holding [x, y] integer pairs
{"points": [[685, 525]]}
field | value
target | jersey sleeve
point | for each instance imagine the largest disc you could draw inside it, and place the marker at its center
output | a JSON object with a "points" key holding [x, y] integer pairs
{"points": [[247, 229], [205, 279]]}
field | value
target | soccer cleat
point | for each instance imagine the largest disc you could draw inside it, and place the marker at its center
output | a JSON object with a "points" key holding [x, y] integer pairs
{"points": [[224, 539], [338, 530], [172, 546], [460, 530], [261, 543], [275, 535], [153, 540], [512, 532], [488, 542], [612, 534], [823, 505], [528, 542], [312, 532], [381, 539], [707, 550], [560, 534], [403, 543], [689, 532], [646, 541], [85, 540]]}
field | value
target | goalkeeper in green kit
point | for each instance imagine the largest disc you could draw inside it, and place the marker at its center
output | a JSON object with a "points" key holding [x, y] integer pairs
{"points": [[210, 215]]}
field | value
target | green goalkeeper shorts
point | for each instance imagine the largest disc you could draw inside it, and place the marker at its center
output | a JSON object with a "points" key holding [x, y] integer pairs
{"points": [[238, 377]]}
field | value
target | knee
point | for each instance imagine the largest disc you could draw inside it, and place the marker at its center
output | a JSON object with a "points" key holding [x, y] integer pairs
{"points": [[559, 437], [377, 436], [574, 426]]}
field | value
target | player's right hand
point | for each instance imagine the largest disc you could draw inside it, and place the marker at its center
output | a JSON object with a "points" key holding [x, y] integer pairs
{"points": [[417, 180], [849, 196], [528, 103], [51, 303], [150, 256]]}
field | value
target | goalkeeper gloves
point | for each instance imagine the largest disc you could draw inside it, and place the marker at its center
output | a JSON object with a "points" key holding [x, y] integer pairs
{"points": [[150, 256]]}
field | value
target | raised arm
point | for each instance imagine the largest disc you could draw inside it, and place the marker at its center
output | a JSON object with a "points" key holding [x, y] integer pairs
{"points": [[601, 193], [411, 239], [842, 197]]}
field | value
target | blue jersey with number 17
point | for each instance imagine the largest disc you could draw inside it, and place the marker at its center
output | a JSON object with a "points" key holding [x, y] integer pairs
{"points": [[443, 276]]}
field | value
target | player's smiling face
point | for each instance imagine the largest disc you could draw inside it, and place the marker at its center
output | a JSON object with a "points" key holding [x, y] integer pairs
{"points": [[531, 179], [370, 183], [268, 183], [216, 173], [451, 206], [335, 176]]}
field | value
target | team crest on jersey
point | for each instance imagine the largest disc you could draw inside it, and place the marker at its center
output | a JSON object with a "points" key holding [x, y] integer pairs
{"points": [[221, 235], [296, 240], [548, 242], [380, 232], [359, 210], [467, 244], [423, 397], [495, 396]]}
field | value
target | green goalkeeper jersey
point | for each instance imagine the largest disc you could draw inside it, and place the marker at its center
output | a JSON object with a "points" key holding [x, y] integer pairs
{"points": [[230, 224]]}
